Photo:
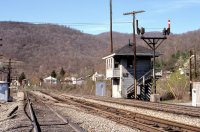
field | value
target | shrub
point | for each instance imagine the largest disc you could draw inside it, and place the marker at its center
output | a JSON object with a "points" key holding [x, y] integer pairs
{"points": [[176, 85]]}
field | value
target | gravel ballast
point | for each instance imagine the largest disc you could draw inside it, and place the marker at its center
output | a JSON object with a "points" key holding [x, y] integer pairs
{"points": [[159, 114], [18, 121], [89, 122]]}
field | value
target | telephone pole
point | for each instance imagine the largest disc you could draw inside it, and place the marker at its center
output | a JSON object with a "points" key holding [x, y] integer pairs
{"points": [[111, 35], [9, 69], [9, 73], [190, 75], [134, 49], [195, 64], [1, 40]]}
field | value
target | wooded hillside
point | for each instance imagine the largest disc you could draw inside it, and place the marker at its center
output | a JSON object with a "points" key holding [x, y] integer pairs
{"points": [[47, 47]]}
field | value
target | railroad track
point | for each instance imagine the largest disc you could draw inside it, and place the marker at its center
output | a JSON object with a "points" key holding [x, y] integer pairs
{"points": [[128, 118], [45, 118], [170, 108]]}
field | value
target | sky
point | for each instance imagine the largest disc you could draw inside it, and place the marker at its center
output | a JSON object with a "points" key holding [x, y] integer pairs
{"points": [[92, 16]]}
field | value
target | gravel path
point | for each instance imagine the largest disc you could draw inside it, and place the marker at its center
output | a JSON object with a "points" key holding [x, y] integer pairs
{"points": [[164, 115]]}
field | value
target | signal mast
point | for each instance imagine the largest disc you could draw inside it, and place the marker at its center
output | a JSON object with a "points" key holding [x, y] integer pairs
{"points": [[153, 42]]}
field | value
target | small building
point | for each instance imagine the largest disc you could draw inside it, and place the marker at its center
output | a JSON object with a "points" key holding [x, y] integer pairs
{"points": [[4, 91], [77, 81], [15, 83], [100, 89], [196, 94], [50, 80], [119, 68], [97, 76]]}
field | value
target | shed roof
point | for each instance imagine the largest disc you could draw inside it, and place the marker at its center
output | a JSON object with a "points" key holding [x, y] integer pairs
{"points": [[127, 50], [50, 78]]}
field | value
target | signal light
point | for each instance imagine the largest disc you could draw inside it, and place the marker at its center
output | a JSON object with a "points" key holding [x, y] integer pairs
{"points": [[169, 23], [140, 31], [167, 31], [169, 26]]}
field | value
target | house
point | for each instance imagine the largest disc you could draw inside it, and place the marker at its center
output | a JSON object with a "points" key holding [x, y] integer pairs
{"points": [[77, 81], [97, 76], [50, 80], [119, 68], [67, 80]]}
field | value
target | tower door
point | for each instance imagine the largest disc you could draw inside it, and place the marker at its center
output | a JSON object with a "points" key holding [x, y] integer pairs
{"points": [[116, 90]]}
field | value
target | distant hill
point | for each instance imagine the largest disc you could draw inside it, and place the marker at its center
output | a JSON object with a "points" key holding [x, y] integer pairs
{"points": [[46, 47], [174, 43]]}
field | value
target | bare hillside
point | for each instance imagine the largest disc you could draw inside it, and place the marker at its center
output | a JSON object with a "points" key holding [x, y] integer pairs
{"points": [[174, 43], [45, 47]]}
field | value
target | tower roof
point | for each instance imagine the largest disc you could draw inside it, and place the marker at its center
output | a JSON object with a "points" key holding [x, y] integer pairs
{"points": [[127, 50]]}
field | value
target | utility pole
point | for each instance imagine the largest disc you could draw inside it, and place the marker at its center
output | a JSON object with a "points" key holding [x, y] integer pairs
{"points": [[195, 64], [134, 49], [190, 67], [1, 55], [9, 73], [1, 44], [111, 35], [1, 40]]}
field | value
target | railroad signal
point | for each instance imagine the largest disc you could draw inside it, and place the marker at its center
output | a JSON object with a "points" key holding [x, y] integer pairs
{"points": [[140, 30], [167, 31], [154, 43]]}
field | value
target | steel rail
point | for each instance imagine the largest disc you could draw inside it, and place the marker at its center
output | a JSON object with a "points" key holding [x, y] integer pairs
{"points": [[74, 126], [36, 126], [141, 118], [157, 122], [171, 108]]}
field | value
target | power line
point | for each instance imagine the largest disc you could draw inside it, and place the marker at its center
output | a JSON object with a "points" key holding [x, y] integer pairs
{"points": [[82, 24]]}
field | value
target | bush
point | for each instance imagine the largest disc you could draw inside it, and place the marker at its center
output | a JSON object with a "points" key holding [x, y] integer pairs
{"points": [[175, 84]]}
